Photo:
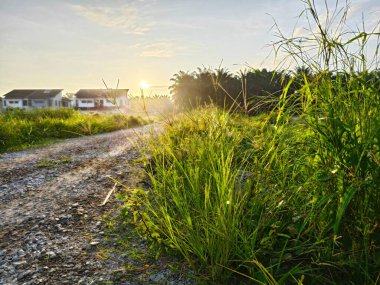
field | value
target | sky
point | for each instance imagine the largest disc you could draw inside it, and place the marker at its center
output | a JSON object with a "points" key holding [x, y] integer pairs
{"points": [[71, 45]]}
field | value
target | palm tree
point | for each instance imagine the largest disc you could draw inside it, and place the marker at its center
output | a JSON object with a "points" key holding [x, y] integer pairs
{"points": [[183, 89]]}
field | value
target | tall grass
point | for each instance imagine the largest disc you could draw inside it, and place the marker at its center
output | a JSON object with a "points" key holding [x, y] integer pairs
{"points": [[341, 107], [22, 129], [276, 199], [220, 200]]}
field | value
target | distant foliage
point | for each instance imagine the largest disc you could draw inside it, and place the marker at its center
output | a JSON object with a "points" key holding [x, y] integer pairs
{"points": [[23, 129], [251, 92]]}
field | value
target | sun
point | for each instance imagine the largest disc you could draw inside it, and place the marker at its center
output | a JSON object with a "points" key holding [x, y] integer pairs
{"points": [[144, 84]]}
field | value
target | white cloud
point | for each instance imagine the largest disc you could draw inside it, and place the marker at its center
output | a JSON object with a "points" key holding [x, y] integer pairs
{"points": [[331, 19], [373, 21], [367, 10], [164, 49], [301, 31], [128, 17]]}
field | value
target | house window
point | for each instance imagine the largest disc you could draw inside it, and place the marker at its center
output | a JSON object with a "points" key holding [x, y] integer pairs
{"points": [[86, 101], [13, 102], [39, 101], [25, 103]]}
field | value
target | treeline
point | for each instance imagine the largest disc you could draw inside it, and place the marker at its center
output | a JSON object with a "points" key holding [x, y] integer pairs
{"points": [[252, 92]]}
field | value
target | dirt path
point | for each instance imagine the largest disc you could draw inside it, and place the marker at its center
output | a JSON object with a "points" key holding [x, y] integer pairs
{"points": [[51, 226]]}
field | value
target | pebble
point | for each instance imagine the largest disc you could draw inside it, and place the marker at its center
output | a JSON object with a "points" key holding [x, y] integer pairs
{"points": [[24, 274], [51, 254], [158, 277], [18, 263], [2, 252]]}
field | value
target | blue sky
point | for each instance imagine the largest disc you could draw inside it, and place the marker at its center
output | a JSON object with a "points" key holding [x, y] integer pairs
{"points": [[76, 44]]}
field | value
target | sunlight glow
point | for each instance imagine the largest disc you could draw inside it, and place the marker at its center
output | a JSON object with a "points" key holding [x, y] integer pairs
{"points": [[144, 84]]}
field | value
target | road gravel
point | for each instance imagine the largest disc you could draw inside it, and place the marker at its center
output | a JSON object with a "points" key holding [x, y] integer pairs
{"points": [[52, 225]]}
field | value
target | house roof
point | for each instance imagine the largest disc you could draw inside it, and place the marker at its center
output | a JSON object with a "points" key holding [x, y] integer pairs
{"points": [[32, 93], [101, 93]]}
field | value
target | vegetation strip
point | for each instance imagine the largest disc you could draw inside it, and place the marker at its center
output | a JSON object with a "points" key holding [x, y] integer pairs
{"points": [[24, 129]]}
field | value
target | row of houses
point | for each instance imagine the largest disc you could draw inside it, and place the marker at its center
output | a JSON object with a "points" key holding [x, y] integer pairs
{"points": [[54, 98]]}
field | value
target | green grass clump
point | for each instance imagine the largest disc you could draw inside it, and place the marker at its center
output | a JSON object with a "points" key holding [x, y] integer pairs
{"points": [[48, 162], [24, 129], [277, 199], [234, 194]]}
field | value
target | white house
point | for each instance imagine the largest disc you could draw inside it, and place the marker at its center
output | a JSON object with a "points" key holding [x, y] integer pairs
{"points": [[101, 98], [33, 98]]}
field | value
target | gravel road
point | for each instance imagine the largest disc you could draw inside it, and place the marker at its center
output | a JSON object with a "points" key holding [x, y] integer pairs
{"points": [[52, 227]]}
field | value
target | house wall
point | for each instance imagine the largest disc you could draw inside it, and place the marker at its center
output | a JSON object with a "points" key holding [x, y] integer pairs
{"points": [[110, 102], [107, 102], [12, 103], [119, 102], [39, 103], [86, 103], [123, 101], [58, 99], [54, 102]]}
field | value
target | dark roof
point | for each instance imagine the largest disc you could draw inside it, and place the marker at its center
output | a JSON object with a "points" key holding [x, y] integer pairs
{"points": [[101, 93], [32, 93]]}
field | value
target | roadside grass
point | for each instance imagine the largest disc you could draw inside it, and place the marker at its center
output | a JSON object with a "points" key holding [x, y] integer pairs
{"points": [[26, 129], [121, 244], [279, 198], [48, 162], [238, 196]]}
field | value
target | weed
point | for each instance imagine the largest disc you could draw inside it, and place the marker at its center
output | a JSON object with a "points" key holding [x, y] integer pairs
{"points": [[48, 162]]}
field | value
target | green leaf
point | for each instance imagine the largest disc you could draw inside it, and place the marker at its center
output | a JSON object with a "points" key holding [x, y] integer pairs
{"points": [[343, 206], [361, 35]]}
